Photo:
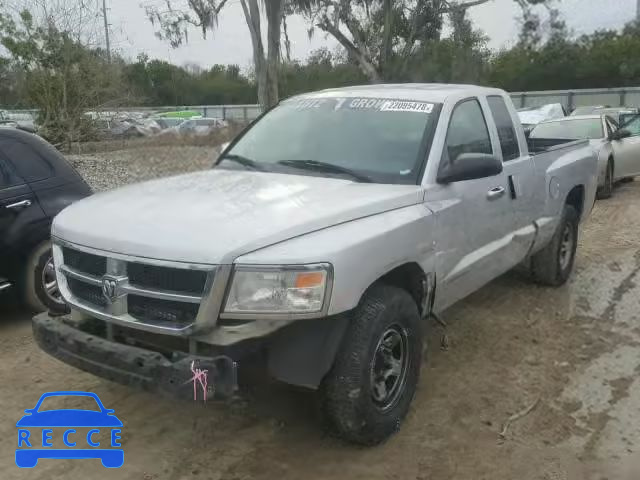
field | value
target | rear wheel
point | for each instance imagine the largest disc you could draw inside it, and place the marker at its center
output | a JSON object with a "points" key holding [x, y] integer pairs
{"points": [[367, 393], [554, 263], [40, 288], [607, 190]]}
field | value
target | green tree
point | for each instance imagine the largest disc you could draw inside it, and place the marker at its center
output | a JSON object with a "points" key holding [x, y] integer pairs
{"points": [[174, 18], [62, 77]]}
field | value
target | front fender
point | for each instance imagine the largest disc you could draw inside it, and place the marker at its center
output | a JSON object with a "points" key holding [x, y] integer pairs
{"points": [[361, 251]]}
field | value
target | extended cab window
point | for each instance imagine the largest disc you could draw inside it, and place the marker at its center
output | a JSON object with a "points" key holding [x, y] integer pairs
{"points": [[28, 163], [468, 132], [506, 130], [379, 139]]}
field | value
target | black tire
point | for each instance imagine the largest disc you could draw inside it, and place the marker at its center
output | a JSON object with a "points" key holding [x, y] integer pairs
{"points": [[34, 292], [554, 263], [347, 392], [607, 190], [627, 180]]}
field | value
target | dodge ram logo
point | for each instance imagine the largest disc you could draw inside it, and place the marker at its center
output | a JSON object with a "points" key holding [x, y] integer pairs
{"points": [[110, 288]]}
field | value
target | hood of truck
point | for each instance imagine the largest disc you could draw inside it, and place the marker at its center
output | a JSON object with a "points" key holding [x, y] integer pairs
{"points": [[214, 216]]}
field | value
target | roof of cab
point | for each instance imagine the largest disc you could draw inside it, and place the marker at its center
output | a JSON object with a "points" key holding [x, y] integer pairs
{"points": [[429, 92]]}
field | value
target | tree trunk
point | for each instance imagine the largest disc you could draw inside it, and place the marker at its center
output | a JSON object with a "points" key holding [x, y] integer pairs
{"points": [[252, 16], [366, 65], [274, 10]]}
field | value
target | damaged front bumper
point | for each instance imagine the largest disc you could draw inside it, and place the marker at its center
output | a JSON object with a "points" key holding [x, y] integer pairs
{"points": [[183, 377]]}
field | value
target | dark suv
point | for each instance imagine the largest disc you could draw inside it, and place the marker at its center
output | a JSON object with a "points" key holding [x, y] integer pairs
{"points": [[36, 183]]}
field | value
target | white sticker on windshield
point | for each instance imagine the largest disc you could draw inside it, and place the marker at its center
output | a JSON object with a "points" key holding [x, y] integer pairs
{"points": [[403, 106]]}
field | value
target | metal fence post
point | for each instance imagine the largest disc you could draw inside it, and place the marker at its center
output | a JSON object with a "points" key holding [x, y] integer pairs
{"points": [[244, 112], [623, 97], [523, 100], [570, 101], [224, 113]]}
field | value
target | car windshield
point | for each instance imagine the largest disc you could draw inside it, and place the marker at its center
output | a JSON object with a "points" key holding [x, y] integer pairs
{"points": [[376, 138], [583, 128]]}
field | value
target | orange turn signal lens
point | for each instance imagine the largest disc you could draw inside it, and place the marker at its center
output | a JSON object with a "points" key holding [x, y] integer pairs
{"points": [[309, 279]]}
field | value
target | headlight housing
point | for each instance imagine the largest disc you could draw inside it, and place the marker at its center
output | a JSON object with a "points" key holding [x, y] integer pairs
{"points": [[295, 289]]}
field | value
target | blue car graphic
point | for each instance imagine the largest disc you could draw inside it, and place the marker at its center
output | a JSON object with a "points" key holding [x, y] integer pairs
{"points": [[68, 418]]}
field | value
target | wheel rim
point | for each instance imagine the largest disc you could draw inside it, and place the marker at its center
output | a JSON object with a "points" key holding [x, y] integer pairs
{"points": [[389, 367], [566, 247], [49, 282]]}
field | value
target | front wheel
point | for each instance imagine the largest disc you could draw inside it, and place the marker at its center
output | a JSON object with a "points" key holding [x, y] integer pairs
{"points": [[40, 288], [367, 393], [554, 263]]}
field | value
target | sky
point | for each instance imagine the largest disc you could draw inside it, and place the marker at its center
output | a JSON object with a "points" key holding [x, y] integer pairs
{"points": [[132, 33]]}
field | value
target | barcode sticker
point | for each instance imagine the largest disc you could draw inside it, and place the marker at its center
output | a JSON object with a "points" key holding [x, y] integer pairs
{"points": [[401, 106]]}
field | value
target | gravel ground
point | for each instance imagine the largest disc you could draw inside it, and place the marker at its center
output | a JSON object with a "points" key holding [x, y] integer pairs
{"points": [[572, 352], [109, 170]]}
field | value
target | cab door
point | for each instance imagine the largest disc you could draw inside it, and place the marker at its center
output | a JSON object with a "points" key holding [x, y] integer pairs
{"points": [[519, 170], [18, 207], [474, 218]]}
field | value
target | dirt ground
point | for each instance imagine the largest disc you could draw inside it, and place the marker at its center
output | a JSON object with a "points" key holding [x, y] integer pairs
{"points": [[573, 352]]}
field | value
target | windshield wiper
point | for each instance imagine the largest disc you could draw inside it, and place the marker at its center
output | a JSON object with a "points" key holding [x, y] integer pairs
{"points": [[244, 161], [317, 166]]}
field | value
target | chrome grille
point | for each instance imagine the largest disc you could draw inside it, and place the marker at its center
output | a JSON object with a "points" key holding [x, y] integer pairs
{"points": [[85, 262], [166, 278], [88, 293], [165, 297], [168, 312]]}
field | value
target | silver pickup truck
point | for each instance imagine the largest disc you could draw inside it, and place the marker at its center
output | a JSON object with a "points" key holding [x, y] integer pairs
{"points": [[317, 247]]}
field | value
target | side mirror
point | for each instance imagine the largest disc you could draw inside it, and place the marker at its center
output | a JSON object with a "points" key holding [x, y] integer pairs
{"points": [[620, 134], [469, 166]]}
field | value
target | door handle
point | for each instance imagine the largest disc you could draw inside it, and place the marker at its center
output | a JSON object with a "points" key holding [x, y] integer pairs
{"points": [[495, 193], [19, 205]]}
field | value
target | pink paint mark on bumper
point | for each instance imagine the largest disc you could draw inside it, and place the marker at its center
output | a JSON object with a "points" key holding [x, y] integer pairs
{"points": [[199, 377]]}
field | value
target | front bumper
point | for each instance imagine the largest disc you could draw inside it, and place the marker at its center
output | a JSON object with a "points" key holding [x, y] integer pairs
{"points": [[134, 366]]}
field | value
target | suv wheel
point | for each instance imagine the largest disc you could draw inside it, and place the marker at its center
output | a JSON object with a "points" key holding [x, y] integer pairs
{"points": [[554, 263], [40, 287], [367, 393]]}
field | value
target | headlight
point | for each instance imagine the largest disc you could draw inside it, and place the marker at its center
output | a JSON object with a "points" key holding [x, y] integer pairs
{"points": [[289, 289]]}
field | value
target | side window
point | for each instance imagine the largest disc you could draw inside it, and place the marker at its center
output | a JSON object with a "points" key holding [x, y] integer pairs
{"points": [[8, 177], [633, 125], [468, 132], [28, 162], [506, 130]]}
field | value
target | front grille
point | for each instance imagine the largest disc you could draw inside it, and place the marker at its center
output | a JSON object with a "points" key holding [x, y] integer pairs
{"points": [[167, 278], [85, 262], [155, 311], [131, 286], [89, 293]]}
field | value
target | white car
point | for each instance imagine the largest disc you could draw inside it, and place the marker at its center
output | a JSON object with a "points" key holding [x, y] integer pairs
{"points": [[532, 116], [618, 147]]}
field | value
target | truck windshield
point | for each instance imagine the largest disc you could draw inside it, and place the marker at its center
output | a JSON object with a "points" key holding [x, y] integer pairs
{"points": [[377, 139], [578, 129]]}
